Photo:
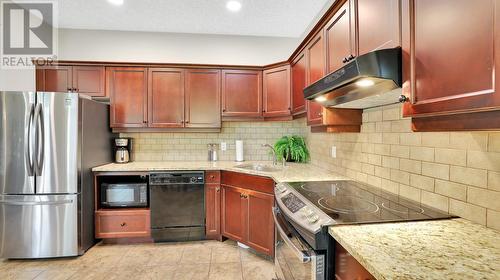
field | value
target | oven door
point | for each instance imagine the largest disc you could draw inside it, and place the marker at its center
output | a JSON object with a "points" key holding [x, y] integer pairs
{"points": [[295, 259]]}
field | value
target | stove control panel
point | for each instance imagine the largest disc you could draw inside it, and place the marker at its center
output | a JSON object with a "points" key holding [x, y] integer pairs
{"points": [[293, 203]]}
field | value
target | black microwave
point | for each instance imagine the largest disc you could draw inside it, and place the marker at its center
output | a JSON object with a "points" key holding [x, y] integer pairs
{"points": [[124, 195]]}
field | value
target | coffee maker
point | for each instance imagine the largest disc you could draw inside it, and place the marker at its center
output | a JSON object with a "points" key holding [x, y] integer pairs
{"points": [[123, 149]]}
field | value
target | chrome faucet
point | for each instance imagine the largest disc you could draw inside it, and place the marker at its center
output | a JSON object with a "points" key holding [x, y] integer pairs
{"points": [[275, 161]]}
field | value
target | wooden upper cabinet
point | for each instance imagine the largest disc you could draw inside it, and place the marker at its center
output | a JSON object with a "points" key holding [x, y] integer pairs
{"points": [[57, 78], [89, 80], [242, 93], [315, 61], [127, 88], [451, 56], [203, 98], [166, 97], [298, 72], [338, 39], [276, 92], [378, 24]]}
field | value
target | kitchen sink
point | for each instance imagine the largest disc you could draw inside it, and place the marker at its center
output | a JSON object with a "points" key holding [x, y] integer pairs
{"points": [[258, 167]]}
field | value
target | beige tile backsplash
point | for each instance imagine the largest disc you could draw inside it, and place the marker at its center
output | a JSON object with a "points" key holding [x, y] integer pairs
{"points": [[193, 146], [457, 172]]}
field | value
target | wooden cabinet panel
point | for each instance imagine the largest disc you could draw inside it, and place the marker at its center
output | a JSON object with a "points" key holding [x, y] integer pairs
{"points": [[241, 93], [126, 223], [260, 222], [315, 58], [298, 84], [166, 97], [347, 267], [127, 88], [378, 24], [89, 80], [58, 79], [234, 213], [203, 98], [246, 181], [338, 39], [451, 49], [212, 211], [276, 92]]}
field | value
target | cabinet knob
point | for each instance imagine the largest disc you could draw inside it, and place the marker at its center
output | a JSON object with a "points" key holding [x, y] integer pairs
{"points": [[69, 89], [144, 121], [123, 224], [351, 57], [345, 60], [186, 121], [223, 110], [212, 176], [320, 114], [403, 98], [217, 189]]}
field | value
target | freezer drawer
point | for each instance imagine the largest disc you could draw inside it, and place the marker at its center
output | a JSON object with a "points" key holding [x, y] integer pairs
{"points": [[38, 226]]}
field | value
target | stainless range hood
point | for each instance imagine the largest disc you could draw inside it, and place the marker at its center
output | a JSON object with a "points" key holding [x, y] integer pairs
{"points": [[370, 80]]}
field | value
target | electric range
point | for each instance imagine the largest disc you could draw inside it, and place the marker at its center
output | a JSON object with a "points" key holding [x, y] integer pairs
{"points": [[305, 210]]}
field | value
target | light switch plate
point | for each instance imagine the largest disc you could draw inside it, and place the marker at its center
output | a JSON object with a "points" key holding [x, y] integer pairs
{"points": [[223, 146], [333, 152]]}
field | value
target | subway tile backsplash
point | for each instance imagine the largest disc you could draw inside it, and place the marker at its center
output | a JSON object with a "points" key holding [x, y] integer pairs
{"points": [[193, 146], [458, 172]]}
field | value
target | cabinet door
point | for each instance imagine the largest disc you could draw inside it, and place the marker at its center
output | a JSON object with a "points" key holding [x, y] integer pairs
{"points": [[127, 89], [338, 39], [166, 97], [89, 80], [260, 222], [276, 92], [57, 78], [212, 209], [378, 24], [451, 56], [234, 213], [203, 93], [315, 57], [298, 84], [241, 93]]}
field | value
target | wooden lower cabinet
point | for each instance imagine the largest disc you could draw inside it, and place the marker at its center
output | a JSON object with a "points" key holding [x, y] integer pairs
{"points": [[122, 223], [212, 205], [247, 213]]}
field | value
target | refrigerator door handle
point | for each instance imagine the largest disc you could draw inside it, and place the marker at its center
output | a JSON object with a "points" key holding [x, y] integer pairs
{"points": [[34, 203], [40, 139], [29, 147]]}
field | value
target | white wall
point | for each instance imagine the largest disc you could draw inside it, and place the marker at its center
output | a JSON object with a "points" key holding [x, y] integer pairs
{"points": [[96, 45]]}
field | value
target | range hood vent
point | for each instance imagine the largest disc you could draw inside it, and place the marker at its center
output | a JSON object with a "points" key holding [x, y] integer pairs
{"points": [[370, 80]]}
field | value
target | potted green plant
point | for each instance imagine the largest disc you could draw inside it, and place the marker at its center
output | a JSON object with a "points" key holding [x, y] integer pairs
{"points": [[291, 148]]}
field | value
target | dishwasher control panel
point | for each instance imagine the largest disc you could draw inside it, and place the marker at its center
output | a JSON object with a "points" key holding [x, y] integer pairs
{"points": [[168, 178]]}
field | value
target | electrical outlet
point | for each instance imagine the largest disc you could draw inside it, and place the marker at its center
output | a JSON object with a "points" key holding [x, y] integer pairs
{"points": [[333, 153], [223, 146]]}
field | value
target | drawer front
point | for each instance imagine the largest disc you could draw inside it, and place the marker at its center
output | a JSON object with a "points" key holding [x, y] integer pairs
{"points": [[116, 224], [249, 182], [212, 177]]}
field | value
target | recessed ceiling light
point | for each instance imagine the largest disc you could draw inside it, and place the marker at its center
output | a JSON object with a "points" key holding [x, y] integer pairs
{"points": [[365, 83], [233, 6], [116, 2]]}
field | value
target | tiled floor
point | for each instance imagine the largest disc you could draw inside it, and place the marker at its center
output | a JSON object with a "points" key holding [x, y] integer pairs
{"points": [[193, 260]]}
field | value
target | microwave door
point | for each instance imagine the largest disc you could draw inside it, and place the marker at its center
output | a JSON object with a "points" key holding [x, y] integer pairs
{"points": [[57, 130], [16, 142]]}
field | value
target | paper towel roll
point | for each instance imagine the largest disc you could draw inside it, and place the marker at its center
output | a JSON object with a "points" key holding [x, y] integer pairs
{"points": [[239, 150]]}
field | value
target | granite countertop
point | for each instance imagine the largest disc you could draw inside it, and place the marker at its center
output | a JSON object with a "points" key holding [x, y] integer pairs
{"points": [[293, 172], [441, 249]]}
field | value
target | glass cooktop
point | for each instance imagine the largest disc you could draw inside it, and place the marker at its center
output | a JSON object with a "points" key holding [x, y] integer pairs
{"points": [[349, 202]]}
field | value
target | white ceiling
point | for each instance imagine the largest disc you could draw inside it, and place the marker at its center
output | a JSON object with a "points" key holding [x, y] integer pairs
{"points": [[278, 18]]}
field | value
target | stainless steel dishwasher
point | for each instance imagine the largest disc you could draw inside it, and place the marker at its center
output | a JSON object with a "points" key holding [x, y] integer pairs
{"points": [[177, 206]]}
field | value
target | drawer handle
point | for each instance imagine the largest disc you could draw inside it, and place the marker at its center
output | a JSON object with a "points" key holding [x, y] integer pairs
{"points": [[123, 224]]}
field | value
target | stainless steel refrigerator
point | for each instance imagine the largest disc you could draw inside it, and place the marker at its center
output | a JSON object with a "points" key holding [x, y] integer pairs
{"points": [[48, 144]]}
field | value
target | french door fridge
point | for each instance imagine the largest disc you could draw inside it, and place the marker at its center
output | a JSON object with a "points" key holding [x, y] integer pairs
{"points": [[48, 144]]}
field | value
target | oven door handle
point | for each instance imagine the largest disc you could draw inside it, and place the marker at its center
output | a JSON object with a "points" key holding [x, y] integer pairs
{"points": [[303, 256]]}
